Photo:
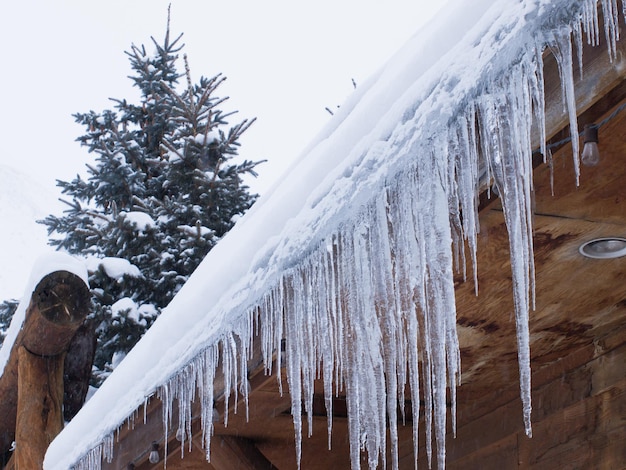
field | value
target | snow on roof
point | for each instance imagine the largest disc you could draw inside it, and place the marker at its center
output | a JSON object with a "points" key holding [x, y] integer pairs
{"points": [[403, 152]]}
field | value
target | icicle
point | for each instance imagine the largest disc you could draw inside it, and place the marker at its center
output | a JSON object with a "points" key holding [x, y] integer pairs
{"points": [[439, 287], [245, 335], [611, 26], [294, 377], [388, 313], [330, 359], [408, 273], [537, 89], [463, 149], [578, 40], [166, 399], [561, 46], [208, 364], [590, 22], [183, 388], [145, 409], [93, 459], [506, 117]]}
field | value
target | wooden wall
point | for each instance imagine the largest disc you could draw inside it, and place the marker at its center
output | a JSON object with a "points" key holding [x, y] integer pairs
{"points": [[579, 418]]}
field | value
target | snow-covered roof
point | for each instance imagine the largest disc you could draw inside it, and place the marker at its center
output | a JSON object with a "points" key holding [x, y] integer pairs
{"points": [[369, 214]]}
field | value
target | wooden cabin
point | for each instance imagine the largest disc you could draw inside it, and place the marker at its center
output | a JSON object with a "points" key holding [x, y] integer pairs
{"points": [[577, 330]]}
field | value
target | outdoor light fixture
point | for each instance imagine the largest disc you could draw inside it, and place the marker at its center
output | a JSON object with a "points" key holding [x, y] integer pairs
{"points": [[591, 153], [154, 453], [604, 248]]}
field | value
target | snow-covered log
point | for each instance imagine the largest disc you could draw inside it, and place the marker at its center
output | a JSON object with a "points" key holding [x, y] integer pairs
{"points": [[31, 384]]}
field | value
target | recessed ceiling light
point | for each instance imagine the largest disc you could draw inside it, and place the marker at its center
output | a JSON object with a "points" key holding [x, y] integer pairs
{"points": [[604, 248]]}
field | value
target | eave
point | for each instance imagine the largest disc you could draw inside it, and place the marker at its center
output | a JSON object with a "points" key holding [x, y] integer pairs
{"points": [[580, 321]]}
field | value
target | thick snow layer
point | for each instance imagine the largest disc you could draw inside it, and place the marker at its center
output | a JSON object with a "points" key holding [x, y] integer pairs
{"points": [[135, 312], [115, 268], [361, 233], [211, 136], [140, 219], [44, 265]]}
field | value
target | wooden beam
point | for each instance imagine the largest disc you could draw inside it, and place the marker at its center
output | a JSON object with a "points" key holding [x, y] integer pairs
{"points": [[39, 407], [229, 452], [77, 369], [58, 306]]}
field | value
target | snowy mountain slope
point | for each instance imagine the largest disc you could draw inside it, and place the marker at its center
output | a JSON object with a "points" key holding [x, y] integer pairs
{"points": [[23, 201]]}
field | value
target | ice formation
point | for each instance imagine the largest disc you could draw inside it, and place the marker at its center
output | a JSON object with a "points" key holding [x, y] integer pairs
{"points": [[358, 281]]}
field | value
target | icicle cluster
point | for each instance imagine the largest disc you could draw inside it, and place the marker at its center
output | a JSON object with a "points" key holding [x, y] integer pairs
{"points": [[371, 308], [93, 459]]}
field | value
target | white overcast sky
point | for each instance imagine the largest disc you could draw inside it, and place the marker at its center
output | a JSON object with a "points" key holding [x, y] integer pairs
{"points": [[285, 61]]}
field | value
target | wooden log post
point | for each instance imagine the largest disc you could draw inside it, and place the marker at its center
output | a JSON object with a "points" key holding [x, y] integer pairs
{"points": [[77, 369], [31, 386], [39, 407]]}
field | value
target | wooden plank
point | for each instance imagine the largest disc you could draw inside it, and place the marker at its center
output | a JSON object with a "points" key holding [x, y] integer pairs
{"points": [[580, 435], [194, 459], [231, 453], [579, 412], [501, 454]]}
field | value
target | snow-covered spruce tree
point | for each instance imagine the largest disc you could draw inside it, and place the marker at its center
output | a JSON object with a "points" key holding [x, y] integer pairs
{"points": [[161, 193], [7, 309]]}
